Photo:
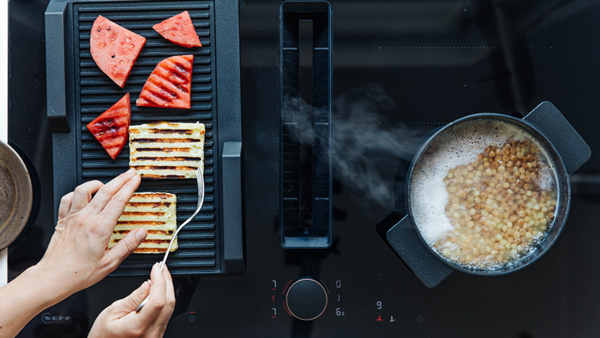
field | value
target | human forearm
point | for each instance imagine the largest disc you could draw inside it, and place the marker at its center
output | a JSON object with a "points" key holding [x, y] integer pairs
{"points": [[77, 255], [25, 297]]}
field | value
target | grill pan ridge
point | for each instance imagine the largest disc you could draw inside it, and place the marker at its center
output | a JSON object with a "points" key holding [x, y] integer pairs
{"points": [[200, 242]]}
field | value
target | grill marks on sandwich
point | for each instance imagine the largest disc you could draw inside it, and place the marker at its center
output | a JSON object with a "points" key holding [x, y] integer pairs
{"points": [[155, 212], [167, 150], [167, 158], [133, 213], [148, 204], [166, 140], [171, 131], [150, 232], [155, 167], [140, 222]]}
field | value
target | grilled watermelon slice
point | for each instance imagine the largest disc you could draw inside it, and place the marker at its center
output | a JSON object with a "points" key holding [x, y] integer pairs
{"points": [[179, 29], [114, 49], [169, 85], [112, 127]]}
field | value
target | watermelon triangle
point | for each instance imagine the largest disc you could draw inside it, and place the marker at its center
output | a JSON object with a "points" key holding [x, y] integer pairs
{"points": [[114, 49], [179, 29], [169, 85], [112, 127]]}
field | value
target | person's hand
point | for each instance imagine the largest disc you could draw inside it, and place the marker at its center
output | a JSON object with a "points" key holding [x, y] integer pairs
{"points": [[121, 320], [78, 255]]}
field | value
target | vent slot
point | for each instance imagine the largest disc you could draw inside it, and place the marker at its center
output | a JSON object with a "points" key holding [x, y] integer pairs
{"points": [[305, 56]]}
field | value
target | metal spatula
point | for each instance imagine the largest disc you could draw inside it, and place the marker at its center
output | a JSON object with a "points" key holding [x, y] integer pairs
{"points": [[200, 180]]}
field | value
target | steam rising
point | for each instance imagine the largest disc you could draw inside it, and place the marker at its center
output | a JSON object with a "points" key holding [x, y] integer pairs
{"points": [[361, 146]]}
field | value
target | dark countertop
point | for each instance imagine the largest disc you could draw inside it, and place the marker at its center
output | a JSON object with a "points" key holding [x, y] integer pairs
{"points": [[398, 66]]}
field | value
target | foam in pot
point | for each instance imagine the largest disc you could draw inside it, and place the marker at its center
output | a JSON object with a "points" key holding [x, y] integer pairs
{"points": [[459, 145]]}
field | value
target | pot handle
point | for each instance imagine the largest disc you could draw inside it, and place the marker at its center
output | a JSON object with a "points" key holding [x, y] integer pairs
{"points": [[405, 241], [570, 145]]}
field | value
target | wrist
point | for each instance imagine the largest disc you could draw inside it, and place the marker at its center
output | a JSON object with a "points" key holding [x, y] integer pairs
{"points": [[46, 286]]}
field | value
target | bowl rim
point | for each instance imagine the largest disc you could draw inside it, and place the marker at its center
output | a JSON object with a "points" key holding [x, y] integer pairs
{"points": [[17, 220]]}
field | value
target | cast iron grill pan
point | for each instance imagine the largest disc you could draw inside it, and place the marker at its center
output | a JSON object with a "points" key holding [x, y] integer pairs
{"points": [[95, 92]]}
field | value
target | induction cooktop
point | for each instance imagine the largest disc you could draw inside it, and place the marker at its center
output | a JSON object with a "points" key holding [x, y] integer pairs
{"points": [[397, 70]]}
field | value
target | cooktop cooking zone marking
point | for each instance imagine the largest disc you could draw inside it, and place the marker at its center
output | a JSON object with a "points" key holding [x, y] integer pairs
{"points": [[4, 112]]}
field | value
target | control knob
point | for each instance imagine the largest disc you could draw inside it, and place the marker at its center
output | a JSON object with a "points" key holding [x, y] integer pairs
{"points": [[306, 299]]}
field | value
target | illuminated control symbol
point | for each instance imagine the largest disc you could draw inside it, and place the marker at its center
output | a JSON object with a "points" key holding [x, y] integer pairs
{"points": [[67, 317], [60, 317], [46, 318], [379, 319], [192, 318], [54, 318], [392, 319]]}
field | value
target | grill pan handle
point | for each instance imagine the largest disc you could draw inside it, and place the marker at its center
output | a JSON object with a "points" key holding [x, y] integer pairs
{"points": [[233, 246], [570, 145], [55, 67], [405, 241]]}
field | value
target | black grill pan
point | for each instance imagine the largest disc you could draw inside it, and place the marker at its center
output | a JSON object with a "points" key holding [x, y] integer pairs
{"points": [[211, 243]]}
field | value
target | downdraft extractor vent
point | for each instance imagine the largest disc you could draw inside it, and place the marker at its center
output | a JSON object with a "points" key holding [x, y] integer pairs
{"points": [[305, 57]]}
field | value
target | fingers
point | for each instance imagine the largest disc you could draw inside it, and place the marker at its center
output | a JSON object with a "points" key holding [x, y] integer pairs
{"points": [[157, 299], [167, 310], [125, 247], [170, 288], [83, 194], [116, 205], [130, 303], [65, 205], [109, 190]]}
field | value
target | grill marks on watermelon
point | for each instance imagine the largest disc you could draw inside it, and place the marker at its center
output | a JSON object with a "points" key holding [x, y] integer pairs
{"points": [[112, 127], [169, 85], [179, 29], [114, 49]]}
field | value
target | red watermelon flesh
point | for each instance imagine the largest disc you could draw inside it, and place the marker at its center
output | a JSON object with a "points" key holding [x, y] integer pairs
{"points": [[114, 49], [169, 85], [112, 127], [179, 29]]}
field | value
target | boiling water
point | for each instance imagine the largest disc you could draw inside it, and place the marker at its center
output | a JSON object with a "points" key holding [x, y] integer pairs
{"points": [[458, 146]]}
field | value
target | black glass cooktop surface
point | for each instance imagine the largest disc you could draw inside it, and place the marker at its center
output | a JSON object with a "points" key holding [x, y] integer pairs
{"points": [[400, 69]]}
